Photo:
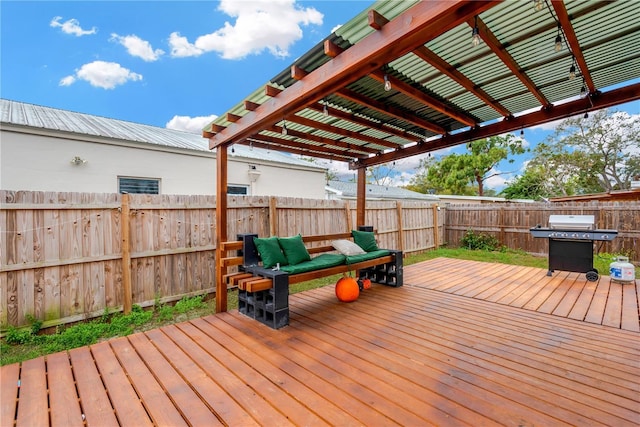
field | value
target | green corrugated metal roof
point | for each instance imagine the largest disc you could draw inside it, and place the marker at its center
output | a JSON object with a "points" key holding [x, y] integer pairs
{"points": [[608, 34]]}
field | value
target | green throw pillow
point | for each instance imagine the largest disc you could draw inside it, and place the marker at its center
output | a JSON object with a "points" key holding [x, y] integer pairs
{"points": [[294, 249], [270, 251], [365, 239]]}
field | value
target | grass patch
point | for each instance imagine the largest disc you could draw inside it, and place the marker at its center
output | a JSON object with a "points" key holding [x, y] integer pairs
{"points": [[27, 343]]}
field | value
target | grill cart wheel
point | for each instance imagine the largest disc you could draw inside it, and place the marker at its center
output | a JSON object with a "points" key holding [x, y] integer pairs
{"points": [[592, 275]]}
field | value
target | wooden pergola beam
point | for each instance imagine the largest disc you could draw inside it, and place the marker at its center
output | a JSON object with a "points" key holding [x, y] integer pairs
{"points": [[450, 71], [340, 131], [494, 44], [425, 99], [350, 117], [388, 110], [572, 40], [306, 150], [322, 140]]}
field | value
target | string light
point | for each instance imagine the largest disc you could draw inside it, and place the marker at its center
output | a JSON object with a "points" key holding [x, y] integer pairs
{"points": [[586, 115], [475, 33], [522, 133], [558, 42], [538, 5], [387, 83], [284, 127], [572, 72], [583, 91], [325, 109]]}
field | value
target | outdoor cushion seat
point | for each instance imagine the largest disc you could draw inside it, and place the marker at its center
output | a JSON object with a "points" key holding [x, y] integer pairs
{"points": [[352, 259], [316, 263]]}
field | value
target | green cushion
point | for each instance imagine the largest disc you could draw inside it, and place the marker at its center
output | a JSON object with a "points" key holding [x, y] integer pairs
{"points": [[294, 249], [317, 263], [270, 251], [352, 259], [365, 239]]}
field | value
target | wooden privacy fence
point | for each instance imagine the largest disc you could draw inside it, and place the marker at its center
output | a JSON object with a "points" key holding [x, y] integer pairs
{"points": [[510, 223], [64, 258]]}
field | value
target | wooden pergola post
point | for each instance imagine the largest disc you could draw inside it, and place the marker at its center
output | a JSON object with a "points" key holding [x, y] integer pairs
{"points": [[361, 200], [221, 226]]}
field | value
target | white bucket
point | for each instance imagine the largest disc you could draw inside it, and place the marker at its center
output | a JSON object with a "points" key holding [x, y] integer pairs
{"points": [[621, 270]]}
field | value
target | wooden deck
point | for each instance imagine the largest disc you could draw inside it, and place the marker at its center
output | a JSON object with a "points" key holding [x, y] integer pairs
{"points": [[470, 351]]}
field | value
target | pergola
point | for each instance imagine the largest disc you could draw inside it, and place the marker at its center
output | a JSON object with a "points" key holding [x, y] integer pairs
{"points": [[409, 77]]}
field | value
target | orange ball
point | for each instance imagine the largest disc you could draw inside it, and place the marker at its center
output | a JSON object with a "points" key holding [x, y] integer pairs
{"points": [[347, 289]]}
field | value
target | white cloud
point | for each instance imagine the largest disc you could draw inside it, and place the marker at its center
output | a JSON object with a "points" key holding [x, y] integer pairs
{"points": [[497, 182], [72, 26], [272, 25], [106, 75], [67, 81], [180, 46], [190, 124], [138, 47]]}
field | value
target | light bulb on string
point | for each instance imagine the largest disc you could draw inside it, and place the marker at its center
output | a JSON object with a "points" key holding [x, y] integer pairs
{"points": [[583, 92], [572, 72], [538, 5], [558, 41], [387, 83], [284, 127], [475, 33], [586, 115], [325, 110]]}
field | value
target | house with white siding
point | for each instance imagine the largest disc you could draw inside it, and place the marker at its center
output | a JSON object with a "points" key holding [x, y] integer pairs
{"points": [[48, 149]]}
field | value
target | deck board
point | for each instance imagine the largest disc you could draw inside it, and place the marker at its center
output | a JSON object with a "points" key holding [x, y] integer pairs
{"points": [[65, 406], [462, 343]]}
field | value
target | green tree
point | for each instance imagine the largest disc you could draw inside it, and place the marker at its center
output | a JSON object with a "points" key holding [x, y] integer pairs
{"points": [[532, 184], [597, 154], [466, 174], [608, 147]]}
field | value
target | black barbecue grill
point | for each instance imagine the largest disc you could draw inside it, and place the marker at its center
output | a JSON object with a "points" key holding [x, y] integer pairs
{"points": [[571, 239]]}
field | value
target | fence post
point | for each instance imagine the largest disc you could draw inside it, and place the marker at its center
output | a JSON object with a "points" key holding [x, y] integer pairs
{"points": [[502, 231], [400, 226], [126, 256], [347, 212], [436, 228], [273, 216]]}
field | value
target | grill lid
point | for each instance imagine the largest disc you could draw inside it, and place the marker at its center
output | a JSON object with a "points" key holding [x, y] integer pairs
{"points": [[572, 222]]}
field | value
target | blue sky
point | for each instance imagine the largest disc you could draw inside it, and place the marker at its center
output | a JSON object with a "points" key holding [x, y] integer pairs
{"points": [[166, 63]]}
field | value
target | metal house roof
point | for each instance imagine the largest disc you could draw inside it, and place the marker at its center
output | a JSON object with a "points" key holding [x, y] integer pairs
{"points": [[53, 119], [444, 90]]}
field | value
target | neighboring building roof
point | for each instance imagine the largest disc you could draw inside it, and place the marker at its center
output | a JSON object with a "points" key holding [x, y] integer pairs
{"points": [[612, 196], [53, 119], [481, 199], [349, 190]]}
